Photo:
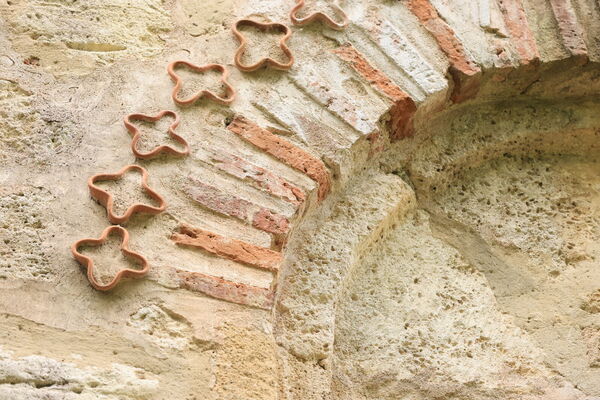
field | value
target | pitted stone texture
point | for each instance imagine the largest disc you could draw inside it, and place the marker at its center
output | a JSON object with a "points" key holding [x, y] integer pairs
{"points": [[551, 214], [305, 307], [592, 302], [246, 365], [436, 161], [464, 139], [514, 189], [24, 250], [36, 377], [162, 327], [28, 136], [536, 222], [591, 336], [448, 340], [78, 36]]}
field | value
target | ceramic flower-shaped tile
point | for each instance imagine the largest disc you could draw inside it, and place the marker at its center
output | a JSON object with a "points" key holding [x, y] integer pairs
{"points": [[123, 273], [227, 98], [319, 16], [158, 150], [265, 61], [106, 199]]}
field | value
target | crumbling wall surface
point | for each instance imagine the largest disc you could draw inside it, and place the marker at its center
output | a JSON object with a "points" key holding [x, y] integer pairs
{"points": [[482, 286], [496, 268], [408, 212]]}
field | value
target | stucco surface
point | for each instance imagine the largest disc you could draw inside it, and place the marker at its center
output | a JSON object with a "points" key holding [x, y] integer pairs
{"points": [[411, 211]]}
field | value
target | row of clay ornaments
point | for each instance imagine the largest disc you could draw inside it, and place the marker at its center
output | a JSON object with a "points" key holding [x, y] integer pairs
{"points": [[106, 199]]}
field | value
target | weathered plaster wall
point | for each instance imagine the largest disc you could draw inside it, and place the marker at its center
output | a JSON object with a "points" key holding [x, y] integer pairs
{"points": [[410, 212]]}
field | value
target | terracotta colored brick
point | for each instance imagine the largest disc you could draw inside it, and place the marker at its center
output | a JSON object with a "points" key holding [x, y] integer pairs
{"points": [[327, 88], [269, 221], [342, 104], [283, 150], [463, 70], [375, 77], [377, 144], [231, 249], [570, 29], [518, 27], [404, 54], [233, 206], [223, 289], [307, 126], [404, 107], [259, 177]]}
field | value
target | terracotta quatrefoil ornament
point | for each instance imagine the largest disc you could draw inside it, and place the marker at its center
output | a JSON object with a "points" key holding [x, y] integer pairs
{"points": [[137, 134], [268, 61], [318, 16], [229, 91], [124, 273], [106, 199]]}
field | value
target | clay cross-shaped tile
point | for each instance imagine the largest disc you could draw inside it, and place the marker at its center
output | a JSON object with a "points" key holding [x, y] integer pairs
{"points": [[106, 199], [137, 134], [266, 61], [124, 273], [319, 16], [229, 91]]}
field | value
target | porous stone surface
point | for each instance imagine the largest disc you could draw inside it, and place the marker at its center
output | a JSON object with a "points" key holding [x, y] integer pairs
{"points": [[38, 377], [448, 340], [412, 211]]}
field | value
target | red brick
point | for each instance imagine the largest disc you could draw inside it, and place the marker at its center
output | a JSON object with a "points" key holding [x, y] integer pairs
{"points": [[403, 108], [269, 221], [283, 150], [518, 27], [570, 29], [463, 70], [259, 177], [233, 206], [223, 289], [231, 249]]}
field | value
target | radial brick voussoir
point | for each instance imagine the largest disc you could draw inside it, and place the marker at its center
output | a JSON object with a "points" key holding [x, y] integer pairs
{"points": [[404, 55], [403, 107], [258, 177], [231, 249], [570, 29], [522, 38], [284, 151], [231, 205], [463, 70], [222, 289]]}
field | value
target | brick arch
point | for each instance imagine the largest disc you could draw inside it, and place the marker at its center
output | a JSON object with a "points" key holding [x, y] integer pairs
{"points": [[382, 82], [511, 68]]}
